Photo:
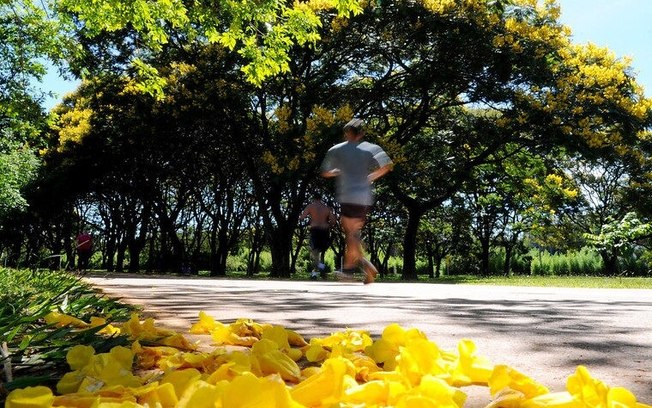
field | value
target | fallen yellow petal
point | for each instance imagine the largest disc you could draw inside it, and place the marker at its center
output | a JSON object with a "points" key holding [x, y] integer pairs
{"points": [[30, 397], [181, 379], [552, 400], [372, 392], [248, 390], [61, 320], [70, 382], [200, 394], [205, 325], [163, 396], [79, 356], [504, 376], [295, 339], [327, 384]]}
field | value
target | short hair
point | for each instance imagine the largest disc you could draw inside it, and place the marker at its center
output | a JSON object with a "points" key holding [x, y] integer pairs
{"points": [[316, 195], [355, 125]]}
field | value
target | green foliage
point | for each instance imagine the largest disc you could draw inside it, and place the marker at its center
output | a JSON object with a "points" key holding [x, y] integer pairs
{"points": [[237, 263], [35, 347], [18, 165], [520, 263], [584, 262], [263, 32], [28, 37], [620, 235]]}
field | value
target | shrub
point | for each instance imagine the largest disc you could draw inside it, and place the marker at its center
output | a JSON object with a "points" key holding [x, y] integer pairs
{"points": [[583, 262]]}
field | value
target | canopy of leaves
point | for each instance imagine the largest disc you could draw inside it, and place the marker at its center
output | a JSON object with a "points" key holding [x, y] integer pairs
{"points": [[263, 32]]}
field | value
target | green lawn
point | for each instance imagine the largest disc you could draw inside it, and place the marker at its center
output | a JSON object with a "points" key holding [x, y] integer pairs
{"points": [[542, 281], [552, 281]]}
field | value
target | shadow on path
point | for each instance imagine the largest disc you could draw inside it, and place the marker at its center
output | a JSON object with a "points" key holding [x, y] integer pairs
{"points": [[543, 337]]}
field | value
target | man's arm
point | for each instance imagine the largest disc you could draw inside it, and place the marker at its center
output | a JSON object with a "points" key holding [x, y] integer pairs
{"points": [[305, 212], [378, 173], [331, 173]]}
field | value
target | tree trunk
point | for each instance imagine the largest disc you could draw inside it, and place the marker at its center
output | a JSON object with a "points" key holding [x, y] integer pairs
{"points": [[135, 248], [109, 260], [175, 257], [410, 244], [221, 257], [120, 263], [507, 268], [297, 251], [280, 243], [431, 263], [484, 257], [610, 261], [385, 261], [213, 261], [152, 257], [253, 260], [438, 266]]}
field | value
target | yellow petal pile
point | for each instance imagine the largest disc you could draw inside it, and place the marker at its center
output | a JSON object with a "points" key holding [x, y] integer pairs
{"points": [[264, 365]]}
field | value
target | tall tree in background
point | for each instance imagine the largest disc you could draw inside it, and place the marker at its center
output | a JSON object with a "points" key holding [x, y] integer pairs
{"points": [[28, 38]]}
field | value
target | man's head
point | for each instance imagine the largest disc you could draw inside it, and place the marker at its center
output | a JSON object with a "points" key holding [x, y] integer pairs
{"points": [[354, 129]]}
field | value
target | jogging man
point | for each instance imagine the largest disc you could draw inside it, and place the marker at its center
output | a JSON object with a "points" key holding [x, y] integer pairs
{"points": [[321, 219], [356, 164]]}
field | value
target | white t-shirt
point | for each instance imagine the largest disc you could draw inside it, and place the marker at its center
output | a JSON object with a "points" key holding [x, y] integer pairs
{"points": [[355, 161]]}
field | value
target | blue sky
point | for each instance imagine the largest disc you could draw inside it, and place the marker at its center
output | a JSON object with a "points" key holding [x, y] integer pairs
{"points": [[623, 26]]}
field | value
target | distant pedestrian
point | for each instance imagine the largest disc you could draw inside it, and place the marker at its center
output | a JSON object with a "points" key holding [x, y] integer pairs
{"points": [[84, 250], [321, 220], [356, 164]]}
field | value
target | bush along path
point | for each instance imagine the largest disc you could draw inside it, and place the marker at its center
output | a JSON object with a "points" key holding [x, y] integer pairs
{"points": [[251, 364]]}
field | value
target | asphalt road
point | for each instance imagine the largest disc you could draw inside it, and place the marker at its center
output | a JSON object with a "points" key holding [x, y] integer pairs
{"points": [[542, 332]]}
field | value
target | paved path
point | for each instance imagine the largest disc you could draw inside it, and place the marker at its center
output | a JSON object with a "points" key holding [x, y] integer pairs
{"points": [[543, 332]]}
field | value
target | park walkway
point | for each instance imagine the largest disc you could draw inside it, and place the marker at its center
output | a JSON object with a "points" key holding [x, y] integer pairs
{"points": [[543, 332]]}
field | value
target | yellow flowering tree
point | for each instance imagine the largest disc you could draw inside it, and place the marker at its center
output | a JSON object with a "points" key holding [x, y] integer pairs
{"points": [[473, 81]]}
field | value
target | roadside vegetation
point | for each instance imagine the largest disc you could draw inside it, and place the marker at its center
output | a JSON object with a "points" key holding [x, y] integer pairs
{"points": [[33, 351]]}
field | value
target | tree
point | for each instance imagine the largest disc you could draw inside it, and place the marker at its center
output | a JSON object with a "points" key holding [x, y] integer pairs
{"points": [[607, 217], [424, 68], [443, 231], [617, 237], [512, 196], [263, 32], [28, 38]]}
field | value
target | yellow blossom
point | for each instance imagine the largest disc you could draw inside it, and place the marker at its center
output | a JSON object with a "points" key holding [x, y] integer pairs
{"points": [[248, 390], [61, 320], [505, 377], [205, 325], [326, 385], [30, 397]]}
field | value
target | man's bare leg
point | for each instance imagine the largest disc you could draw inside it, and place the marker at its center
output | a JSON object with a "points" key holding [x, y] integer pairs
{"points": [[353, 250], [370, 271], [353, 254]]}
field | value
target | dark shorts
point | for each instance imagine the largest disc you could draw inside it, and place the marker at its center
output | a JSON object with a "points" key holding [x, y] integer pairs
{"points": [[354, 211], [320, 239]]}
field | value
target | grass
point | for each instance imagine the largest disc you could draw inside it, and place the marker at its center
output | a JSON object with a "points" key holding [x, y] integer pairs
{"points": [[553, 281], [33, 347], [620, 282]]}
